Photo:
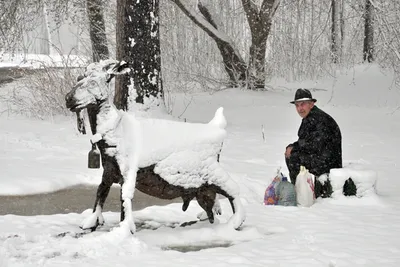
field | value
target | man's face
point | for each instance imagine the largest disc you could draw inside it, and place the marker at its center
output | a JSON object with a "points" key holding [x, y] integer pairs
{"points": [[304, 107]]}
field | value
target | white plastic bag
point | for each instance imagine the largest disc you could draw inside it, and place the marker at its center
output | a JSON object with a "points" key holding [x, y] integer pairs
{"points": [[305, 188]]}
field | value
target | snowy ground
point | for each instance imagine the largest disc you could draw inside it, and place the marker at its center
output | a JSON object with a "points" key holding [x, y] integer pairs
{"points": [[43, 156]]}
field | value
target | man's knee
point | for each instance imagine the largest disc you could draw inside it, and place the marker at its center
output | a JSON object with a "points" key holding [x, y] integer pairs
{"points": [[293, 158]]}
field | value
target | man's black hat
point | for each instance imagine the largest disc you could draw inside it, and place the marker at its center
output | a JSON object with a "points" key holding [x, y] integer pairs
{"points": [[303, 95]]}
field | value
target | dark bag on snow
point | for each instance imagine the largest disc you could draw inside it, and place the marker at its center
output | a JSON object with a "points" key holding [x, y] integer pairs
{"points": [[323, 187]]}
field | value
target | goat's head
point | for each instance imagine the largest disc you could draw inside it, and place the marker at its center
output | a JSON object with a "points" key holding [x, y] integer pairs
{"points": [[92, 88]]}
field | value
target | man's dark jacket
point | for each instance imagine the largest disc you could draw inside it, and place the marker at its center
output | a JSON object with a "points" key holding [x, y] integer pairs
{"points": [[320, 143]]}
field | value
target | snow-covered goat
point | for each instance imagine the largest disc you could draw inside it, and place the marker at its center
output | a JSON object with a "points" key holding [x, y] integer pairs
{"points": [[162, 158]]}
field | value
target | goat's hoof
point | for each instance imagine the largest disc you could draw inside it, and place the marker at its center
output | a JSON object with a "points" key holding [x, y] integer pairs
{"points": [[92, 229], [239, 227], [185, 205], [210, 216], [92, 222], [217, 211]]}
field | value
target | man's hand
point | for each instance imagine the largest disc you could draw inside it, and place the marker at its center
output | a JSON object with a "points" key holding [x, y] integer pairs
{"points": [[288, 151]]}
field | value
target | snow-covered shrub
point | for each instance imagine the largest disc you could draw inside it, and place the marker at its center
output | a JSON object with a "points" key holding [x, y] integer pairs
{"points": [[41, 90]]}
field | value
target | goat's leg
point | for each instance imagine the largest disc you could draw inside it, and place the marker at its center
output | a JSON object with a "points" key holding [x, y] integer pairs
{"points": [[127, 191], [102, 194], [206, 198], [122, 214], [239, 215], [96, 218], [230, 189], [216, 209]]}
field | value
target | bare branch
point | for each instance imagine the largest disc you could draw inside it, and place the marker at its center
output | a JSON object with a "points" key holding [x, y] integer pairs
{"points": [[206, 13], [268, 9], [201, 22]]}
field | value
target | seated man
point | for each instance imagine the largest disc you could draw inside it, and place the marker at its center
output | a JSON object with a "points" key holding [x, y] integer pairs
{"points": [[319, 147]]}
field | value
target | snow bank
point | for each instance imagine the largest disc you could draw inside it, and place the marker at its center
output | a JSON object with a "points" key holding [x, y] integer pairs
{"points": [[364, 179]]}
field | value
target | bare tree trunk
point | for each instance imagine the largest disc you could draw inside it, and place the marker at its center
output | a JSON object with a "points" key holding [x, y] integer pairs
{"points": [[368, 50], [342, 29], [138, 42], [335, 31], [123, 28], [311, 34], [256, 69], [260, 22], [97, 30]]}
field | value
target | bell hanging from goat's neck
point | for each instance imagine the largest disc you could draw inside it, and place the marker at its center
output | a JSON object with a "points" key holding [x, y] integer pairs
{"points": [[94, 158]]}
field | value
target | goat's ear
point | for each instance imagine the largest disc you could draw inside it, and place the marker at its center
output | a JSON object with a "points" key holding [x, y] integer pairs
{"points": [[120, 68], [110, 64]]}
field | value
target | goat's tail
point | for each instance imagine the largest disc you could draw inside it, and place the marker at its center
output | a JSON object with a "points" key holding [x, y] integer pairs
{"points": [[219, 119]]}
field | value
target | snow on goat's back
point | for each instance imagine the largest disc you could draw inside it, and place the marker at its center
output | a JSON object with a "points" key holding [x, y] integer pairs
{"points": [[162, 138]]}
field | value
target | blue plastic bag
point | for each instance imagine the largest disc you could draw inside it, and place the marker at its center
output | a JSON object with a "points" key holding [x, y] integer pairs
{"points": [[286, 193]]}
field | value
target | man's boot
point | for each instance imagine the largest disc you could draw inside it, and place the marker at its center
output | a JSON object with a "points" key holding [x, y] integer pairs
{"points": [[323, 187], [349, 188]]}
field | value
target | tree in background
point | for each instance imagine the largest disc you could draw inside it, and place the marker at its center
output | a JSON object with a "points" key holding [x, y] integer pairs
{"points": [[98, 40], [299, 43], [138, 43], [233, 62], [97, 30], [335, 46], [259, 20], [368, 49], [16, 17]]}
